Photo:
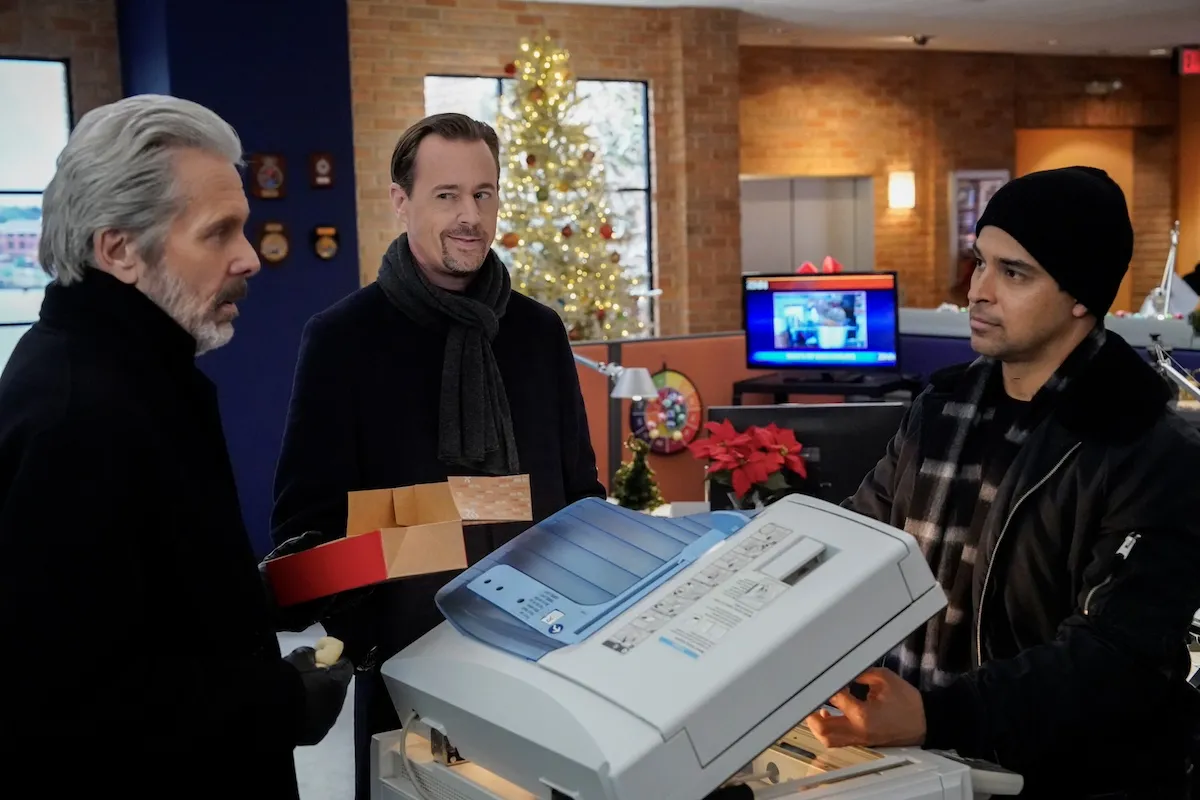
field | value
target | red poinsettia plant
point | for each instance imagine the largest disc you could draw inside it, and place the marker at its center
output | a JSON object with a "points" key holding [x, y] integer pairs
{"points": [[750, 461]]}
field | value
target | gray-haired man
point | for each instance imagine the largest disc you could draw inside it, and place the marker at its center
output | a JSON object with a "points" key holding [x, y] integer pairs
{"points": [[141, 641]]}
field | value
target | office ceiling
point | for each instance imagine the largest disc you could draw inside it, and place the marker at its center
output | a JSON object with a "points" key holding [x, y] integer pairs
{"points": [[1066, 27]]}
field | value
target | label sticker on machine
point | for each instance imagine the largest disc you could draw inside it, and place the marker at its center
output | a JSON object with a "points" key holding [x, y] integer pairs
{"points": [[722, 594]]}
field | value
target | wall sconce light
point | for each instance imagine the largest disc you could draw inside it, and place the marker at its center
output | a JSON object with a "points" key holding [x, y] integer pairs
{"points": [[902, 190]]}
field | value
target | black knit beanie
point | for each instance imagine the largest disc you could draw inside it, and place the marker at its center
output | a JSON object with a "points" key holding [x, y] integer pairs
{"points": [[1074, 221]]}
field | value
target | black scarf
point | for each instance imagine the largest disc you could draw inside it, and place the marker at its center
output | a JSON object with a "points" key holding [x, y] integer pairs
{"points": [[952, 497], [475, 426]]}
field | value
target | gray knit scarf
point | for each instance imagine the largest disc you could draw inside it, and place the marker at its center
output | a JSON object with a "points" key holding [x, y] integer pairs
{"points": [[475, 426], [954, 490]]}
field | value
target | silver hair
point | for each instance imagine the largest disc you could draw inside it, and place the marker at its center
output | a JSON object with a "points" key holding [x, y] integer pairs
{"points": [[117, 172]]}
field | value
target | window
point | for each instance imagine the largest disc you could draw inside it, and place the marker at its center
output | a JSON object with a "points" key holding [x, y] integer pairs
{"points": [[616, 116], [36, 122]]}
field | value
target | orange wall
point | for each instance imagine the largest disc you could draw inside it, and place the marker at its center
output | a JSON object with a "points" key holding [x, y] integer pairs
{"points": [[595, 399], [1109, 149], [1189, 174]]}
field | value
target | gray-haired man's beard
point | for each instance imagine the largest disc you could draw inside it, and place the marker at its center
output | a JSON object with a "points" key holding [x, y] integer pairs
{"points": [[192, 313]]}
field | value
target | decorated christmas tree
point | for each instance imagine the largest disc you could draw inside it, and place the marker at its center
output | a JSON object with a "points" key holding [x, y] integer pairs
{"points": [[634, 485], [555, 230]]}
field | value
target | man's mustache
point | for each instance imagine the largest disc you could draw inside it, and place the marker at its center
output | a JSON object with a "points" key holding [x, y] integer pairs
{"points": [[234, 294]]}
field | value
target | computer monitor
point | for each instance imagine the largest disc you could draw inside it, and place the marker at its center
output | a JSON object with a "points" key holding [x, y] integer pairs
{"points": [[823, 323], [840, 442]]}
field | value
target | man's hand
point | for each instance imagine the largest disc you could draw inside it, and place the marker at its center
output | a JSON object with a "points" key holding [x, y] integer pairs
{"points": [[324, 693], [893, 715]]}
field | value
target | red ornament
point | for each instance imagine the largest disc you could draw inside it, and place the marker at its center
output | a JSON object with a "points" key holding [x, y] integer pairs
{"points": [[531, 159], [537, 94], [566, 231], [588, 155], [510, 68], [606, 231], [600, 314], [510, 239]]}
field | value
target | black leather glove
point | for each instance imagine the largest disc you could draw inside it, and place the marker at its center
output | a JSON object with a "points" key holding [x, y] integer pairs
{"points": [[304, 615], [324, 693]]}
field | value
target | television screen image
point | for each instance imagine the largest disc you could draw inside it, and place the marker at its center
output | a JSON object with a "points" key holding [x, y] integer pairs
{"points": [[821, 323], [824, 320]]}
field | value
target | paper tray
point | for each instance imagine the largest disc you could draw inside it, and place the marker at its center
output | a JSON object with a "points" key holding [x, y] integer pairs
{"points": [[797, 756]]}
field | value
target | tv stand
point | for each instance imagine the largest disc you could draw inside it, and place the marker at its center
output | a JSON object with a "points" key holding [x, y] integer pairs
{"points": [[831, 376], [781, 386]]}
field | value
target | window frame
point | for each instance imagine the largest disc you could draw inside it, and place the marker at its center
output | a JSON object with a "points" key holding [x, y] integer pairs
{"points": [[648, 151], [71, 122], [66, 62]]}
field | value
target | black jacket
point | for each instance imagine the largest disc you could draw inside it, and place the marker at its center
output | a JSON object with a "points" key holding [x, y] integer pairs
{"points": [[1080, 656], [129, 594], [364, 415]]}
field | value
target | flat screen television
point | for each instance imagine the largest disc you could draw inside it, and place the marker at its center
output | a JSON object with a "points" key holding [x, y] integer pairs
{"points": [[824, 323]]}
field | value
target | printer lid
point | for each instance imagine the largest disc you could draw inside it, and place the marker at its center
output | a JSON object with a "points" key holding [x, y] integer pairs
{"points": [[566, 577]]}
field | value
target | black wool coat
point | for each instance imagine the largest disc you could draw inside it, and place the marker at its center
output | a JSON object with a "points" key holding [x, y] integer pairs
{"points": [[129, 592], [364, 415]]}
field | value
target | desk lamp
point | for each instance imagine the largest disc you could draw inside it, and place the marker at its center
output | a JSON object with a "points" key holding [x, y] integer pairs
{"points": [[1158, 302], [1160, 298], [630, 383]]}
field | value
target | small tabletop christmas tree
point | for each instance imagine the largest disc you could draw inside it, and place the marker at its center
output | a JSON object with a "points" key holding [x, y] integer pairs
{"points": [[634, 485], [555, 228]]}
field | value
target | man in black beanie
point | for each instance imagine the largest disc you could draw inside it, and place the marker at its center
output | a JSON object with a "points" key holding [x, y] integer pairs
{"points": [[1050, 486]]}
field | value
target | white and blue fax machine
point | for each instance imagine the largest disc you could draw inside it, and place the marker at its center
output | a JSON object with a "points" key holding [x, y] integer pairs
{"points": [[606, 654]]}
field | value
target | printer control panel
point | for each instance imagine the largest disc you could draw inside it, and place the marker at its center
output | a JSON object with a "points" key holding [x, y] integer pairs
{"points": [[727, 589]]}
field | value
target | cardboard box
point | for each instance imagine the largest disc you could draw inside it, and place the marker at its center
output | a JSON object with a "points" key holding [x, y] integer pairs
{"points": [[398, 533]]}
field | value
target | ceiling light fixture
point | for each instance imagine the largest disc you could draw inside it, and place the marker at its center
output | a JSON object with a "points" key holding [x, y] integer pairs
{"points": [[1159, 51]]}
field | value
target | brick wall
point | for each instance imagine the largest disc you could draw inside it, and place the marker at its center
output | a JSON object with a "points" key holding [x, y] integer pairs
{"points": [[85, 31], [395, 43], [824, 113], [707, 167], [1154, 210]]}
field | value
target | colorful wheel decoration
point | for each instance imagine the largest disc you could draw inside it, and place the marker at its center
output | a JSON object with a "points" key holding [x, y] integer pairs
{"points": [[671, 421]]}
